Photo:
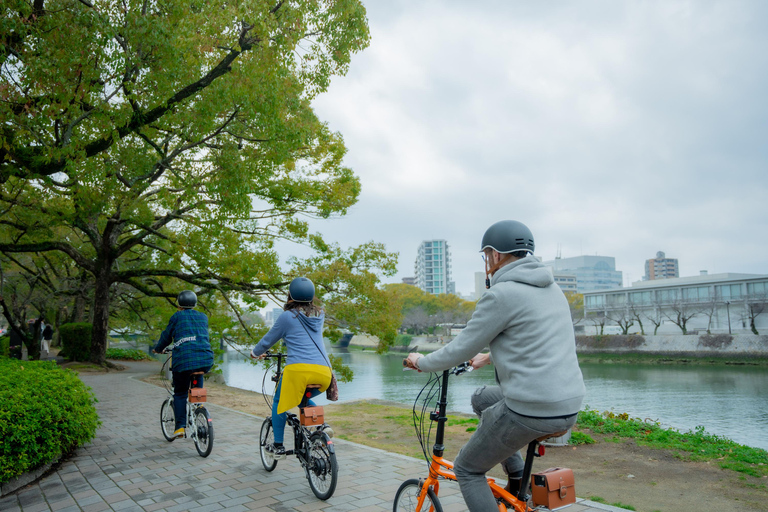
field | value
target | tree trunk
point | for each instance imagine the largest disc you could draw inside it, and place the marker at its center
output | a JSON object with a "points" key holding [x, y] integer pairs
{"points": [[100, 319], [32, 341]]}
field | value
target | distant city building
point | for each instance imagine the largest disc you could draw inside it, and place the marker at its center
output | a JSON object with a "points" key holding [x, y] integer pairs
{"points": [[479, 284], [718, 303], [410, 280], [433, 268], [566, 282], [661, 267], [591, 272], [272, 315]]}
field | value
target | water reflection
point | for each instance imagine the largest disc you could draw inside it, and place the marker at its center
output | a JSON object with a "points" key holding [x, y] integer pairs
{"points": [[727, 401]]}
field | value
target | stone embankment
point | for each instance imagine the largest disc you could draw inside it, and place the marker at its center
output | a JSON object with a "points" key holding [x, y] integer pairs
{"points": [[699, 345]]}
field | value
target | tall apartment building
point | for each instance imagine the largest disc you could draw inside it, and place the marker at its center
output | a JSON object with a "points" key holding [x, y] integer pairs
{"points": [[661, 267], [591, 273], [433, 267]]}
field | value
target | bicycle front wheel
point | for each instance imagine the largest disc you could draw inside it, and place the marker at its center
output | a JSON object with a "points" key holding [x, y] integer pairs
{"points": [[203, 431], [322, 470], [167, 419], [407, 498], [266, 441]]}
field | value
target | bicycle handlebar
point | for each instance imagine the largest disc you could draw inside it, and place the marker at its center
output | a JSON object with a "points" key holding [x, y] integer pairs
{"points": [[456, 370]]}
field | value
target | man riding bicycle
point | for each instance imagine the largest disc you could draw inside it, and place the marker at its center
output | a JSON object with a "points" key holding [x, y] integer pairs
{"points": [[191, 352], [525, 320]]}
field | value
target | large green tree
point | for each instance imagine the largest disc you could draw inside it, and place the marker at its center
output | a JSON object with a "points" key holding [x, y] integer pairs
{"points": [[163, 142]]}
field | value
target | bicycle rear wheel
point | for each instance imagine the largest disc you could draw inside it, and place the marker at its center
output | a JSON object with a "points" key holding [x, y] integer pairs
{"points": [[203, 431], [407, 498], [266, 441], [323, 470], [167, 419]]}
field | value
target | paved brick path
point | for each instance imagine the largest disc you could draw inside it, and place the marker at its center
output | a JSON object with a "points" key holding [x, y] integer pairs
{"points": [[129, 466]]}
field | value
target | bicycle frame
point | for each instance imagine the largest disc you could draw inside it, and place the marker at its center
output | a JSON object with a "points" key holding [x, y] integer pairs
{"points": [[312, 444], [439, 467]]}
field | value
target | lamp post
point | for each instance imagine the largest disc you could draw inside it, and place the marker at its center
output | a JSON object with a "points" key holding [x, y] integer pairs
{"points": [[728, 310]]}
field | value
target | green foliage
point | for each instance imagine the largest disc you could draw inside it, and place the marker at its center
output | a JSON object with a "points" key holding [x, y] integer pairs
{"points": [[403, 340], [127, 354], [343, 373], [421, 312], [697, 444], [45, 412], [76, 340], [347, 283], [578, 438], [160, 145], [4, 346]]}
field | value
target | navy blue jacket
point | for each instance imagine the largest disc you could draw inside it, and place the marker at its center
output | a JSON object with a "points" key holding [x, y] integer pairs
{"points": [[187, 334]]}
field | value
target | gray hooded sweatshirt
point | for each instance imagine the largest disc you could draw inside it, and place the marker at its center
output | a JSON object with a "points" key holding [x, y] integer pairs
{"points": [[525, 320]]}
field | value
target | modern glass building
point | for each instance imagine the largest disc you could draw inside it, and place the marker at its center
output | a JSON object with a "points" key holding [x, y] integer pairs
{"points": [[591, 272], [433, 267]]}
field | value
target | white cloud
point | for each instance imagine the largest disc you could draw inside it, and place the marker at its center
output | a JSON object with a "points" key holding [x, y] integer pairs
{"points": [[617, 128]]}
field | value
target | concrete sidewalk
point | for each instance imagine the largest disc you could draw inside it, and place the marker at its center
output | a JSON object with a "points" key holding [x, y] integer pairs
{"points": [[129, 466]]}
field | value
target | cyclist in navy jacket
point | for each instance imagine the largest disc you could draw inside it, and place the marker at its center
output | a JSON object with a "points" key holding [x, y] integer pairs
{"points": [[187, 337]]}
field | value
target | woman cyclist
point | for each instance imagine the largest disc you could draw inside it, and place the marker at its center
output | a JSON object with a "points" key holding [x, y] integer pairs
{"points": [[301, 328], [525, 320]]}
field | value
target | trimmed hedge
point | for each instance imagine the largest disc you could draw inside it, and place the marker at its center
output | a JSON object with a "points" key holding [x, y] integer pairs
{"points": [[45, 412], [76, 341]]}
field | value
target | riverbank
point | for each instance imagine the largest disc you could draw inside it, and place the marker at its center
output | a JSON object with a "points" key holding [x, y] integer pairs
{"points": [[613, 470]]}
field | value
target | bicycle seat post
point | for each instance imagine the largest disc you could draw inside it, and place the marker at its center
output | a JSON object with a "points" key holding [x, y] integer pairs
{"points": [[527, 469]]}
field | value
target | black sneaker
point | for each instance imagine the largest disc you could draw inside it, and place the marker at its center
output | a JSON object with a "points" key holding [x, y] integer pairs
{"points": [[278, 452]]}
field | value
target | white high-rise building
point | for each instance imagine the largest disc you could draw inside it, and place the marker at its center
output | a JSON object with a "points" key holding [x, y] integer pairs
{"points": [[433, 268]]}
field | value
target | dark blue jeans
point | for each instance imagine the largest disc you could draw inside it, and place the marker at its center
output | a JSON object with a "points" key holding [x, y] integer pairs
{"points": [[181, 381]]}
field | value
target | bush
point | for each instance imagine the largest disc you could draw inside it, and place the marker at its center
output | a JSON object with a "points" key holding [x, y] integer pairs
{"points": [[45, 412], [4, 344], [76, 341], [717, 341], [129, 354], [403, 340], [610, 341]]}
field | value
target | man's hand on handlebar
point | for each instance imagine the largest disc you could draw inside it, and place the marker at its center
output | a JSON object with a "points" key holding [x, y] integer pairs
{"points": [[412, 361], [480, 360]]}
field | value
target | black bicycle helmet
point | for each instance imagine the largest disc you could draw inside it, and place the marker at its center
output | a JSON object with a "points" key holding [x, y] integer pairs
{"points": [[301, 289], [508, 236], [187, 299]]}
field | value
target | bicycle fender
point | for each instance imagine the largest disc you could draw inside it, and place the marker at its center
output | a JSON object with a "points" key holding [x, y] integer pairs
{"points": [[329, 442]]}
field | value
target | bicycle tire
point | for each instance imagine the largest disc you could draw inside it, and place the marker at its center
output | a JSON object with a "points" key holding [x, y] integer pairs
{"points": [[167, 419], [407, 497], [322, 470], [266, 438], [203, 432]]}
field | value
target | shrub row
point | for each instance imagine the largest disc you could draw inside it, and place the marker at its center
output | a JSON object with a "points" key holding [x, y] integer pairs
{"points": [[76, 341], [45, 412], [610, 341]]}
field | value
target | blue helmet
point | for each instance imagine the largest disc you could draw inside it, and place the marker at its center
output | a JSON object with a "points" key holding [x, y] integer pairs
{"points": [[301, 289]]}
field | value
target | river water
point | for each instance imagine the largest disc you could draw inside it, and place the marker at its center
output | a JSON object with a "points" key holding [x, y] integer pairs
{"points": [[729, 401]]}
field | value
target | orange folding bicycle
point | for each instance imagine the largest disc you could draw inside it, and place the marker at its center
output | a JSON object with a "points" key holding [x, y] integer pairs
{"points": [[417, 495]]}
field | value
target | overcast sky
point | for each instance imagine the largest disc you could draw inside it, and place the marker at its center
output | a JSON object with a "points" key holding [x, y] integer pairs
{"points": [[610, 128]]}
